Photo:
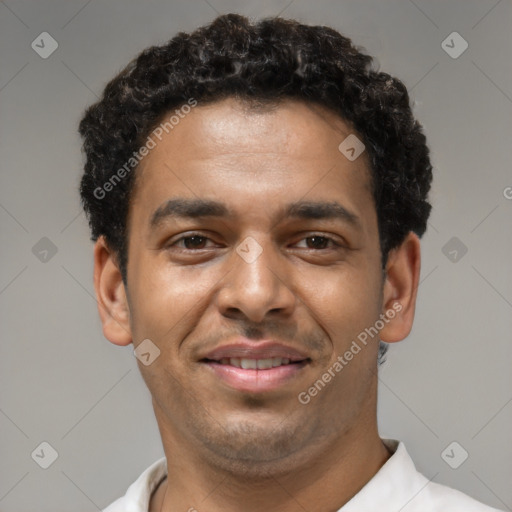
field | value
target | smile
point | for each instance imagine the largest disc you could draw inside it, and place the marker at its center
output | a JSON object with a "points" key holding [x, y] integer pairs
{"points": [[256, 375], [252, 367], [255, 364]]}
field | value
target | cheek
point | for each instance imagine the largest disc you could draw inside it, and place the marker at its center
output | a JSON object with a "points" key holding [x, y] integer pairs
{"points": [[167, 300], [347, 304], [343, 301]]}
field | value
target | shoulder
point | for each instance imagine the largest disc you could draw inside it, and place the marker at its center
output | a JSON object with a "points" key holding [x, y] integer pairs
{"points": [[138, 495], [398, 485], [425, 495], [441, 498]]}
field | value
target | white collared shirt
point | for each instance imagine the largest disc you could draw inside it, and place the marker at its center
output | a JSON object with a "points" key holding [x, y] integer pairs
{"points": [[396, 487]]}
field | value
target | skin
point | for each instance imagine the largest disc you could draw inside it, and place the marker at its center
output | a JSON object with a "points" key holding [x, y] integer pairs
{"points": [[224, 446]]}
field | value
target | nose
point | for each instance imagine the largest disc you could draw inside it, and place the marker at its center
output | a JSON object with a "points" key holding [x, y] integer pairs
{"points": [[256, 288]]}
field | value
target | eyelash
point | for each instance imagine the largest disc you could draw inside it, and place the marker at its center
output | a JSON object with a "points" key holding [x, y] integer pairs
{"points": [[199, 235]]}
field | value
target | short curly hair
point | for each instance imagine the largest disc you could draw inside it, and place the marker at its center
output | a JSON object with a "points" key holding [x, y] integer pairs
{"points": [[268, 61]]}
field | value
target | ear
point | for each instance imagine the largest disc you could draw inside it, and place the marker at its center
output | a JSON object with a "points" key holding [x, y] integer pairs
{"points": [[111, 295], [400, 289]]}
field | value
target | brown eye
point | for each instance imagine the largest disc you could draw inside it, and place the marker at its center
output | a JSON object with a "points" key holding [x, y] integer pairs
{"points": [[194, 242], [317, 242]]}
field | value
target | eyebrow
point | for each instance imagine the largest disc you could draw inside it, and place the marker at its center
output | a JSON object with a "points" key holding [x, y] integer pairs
{"points": [[199, 208]]}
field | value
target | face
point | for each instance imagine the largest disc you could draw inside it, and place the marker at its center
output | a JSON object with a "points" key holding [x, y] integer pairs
{"points": [[253, 265]]}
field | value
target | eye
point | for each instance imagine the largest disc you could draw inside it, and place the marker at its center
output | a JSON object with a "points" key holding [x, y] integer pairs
{"points": [[196, 242], [319, 242], [191, 242]]}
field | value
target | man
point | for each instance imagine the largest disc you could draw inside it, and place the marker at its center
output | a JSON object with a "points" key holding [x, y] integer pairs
{"points": [[256, 193]]}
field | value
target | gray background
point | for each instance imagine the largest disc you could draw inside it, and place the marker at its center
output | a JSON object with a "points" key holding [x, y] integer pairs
{"points": [[63, 383]]}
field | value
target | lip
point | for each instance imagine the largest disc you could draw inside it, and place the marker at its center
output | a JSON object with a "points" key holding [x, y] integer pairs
{"points": [[256, 380], [247, 349]]}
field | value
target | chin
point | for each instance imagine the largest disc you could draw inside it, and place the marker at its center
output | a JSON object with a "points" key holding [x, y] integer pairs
{"points": [[250, 450]]}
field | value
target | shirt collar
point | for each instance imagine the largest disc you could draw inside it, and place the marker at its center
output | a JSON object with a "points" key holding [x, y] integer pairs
{"points": [[138, 495], [395, 485]]}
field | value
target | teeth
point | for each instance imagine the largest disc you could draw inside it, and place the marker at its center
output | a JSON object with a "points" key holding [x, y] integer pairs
{"points": [[249, 364], [255, 364], [264, 364]]}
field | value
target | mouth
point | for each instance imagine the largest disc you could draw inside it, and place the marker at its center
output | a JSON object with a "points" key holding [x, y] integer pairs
{"points": [[256, 369], [255, 364]]}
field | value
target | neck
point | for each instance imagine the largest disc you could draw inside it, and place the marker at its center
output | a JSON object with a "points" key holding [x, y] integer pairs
{"points": [[326, 481]]}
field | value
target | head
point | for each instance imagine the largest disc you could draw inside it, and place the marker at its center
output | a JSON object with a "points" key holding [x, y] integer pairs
{"points": [[229, 140]]}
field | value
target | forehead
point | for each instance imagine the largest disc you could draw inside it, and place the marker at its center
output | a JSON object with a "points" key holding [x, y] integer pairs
{"points": [[291, 126], [227, 151]]}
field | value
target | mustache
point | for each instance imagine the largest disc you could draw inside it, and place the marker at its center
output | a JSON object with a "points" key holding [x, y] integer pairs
{"points": [[310, 341]]}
